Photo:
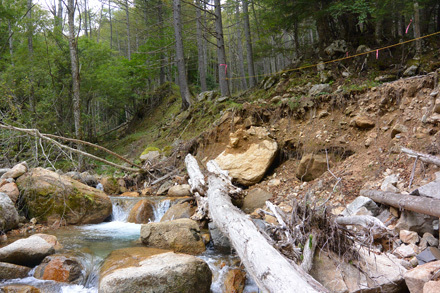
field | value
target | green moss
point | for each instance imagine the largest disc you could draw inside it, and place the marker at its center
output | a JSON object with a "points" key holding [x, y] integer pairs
{"points": [[150, 149]]}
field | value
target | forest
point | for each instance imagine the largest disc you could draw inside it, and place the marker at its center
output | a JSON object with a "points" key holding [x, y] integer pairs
{"points": [[74, 70]]}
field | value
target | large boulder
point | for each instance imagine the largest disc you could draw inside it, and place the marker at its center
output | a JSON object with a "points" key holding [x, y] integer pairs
{"points": [[371, 273], [416, 278], [50, 197], [11, 190], [311, 167], [61, 268], [16, 171], [8, 214], [181, 235], [12, 271], [248, 155], [19, 289], [142, 212], [27, 252], [179, 211], [110, 185], [256, 198], [155, 271]]}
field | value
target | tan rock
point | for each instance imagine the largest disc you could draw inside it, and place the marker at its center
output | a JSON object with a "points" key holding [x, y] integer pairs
{"points": [[406, 251], [19, 289], [179, 190], [256, 198], [416, 278], [311, 167], [364, 122], [437, 106], [271, 220], [182, 235], [251, 155], [234, 281], [11, 190], [110, 185], [142, 212], [12, 271], [432, 287], [179, 211], [398, 128], [48, 195], [409, 237], [130, 194], [16, 171]]}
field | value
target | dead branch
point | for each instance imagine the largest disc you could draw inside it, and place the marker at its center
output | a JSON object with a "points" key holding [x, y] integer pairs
{"points": [[423, 157], [373, 225], [308, 253], [36, 133], [418, 204]]}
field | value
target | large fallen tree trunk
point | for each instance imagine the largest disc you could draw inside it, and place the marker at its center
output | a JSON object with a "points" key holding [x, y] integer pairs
{"points": [[423, 157], [419, 204], [270, 270]]}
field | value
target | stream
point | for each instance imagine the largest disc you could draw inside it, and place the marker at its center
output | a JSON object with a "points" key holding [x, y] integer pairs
{"points": [[92, 244]]}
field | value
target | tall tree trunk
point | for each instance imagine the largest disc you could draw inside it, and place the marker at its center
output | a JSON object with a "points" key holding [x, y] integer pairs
{"points": [[75, 73], [11, 43], [417, 28], [200, 49], [127, 16], [240, 49], [59, 20], [111, 24], [183, 82], [99, 26], [221, 54], [250, 54], [30, 33], [162, 76], [86, 23]]}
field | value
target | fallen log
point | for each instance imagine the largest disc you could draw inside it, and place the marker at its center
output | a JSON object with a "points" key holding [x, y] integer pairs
{"points": [[423, 157], [270, 270], [418, 204]]}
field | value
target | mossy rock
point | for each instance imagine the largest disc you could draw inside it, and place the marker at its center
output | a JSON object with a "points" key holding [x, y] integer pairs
{"points": [[150, 149], [51, 197]]}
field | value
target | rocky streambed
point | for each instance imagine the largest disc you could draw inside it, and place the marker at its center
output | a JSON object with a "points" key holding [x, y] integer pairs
{"points": [[110, 257]]}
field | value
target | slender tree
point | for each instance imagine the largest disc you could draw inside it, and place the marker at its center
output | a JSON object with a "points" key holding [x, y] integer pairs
{"points": [[127, 16], [250, 53], [180, 57], [200, 48], [240, 48], [221, 54]]}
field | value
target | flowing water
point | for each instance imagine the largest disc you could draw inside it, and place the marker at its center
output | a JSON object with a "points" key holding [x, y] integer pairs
{"points": [[92, 243]]}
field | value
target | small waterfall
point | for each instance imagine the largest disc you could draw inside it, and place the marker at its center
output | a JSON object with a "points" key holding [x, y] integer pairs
{"points": [[122, 207], [160, 208]]}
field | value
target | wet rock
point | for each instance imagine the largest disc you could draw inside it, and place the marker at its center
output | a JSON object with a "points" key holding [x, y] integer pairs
{"points": [[182, 235], [19, 289], [364, 122], [11, 190], [12, 271], [416, 278], [218, 238], [234, 281], [160, 273], [27, 252], [416, 222], [319, 89], [409, 237], [8, 214], [110, 185], [249, 155], [16, 171], [311, 167], [256, 198], [142, 212], [179, 190], [51, 197], [61, 268], [411, 71], [179, 211]]}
